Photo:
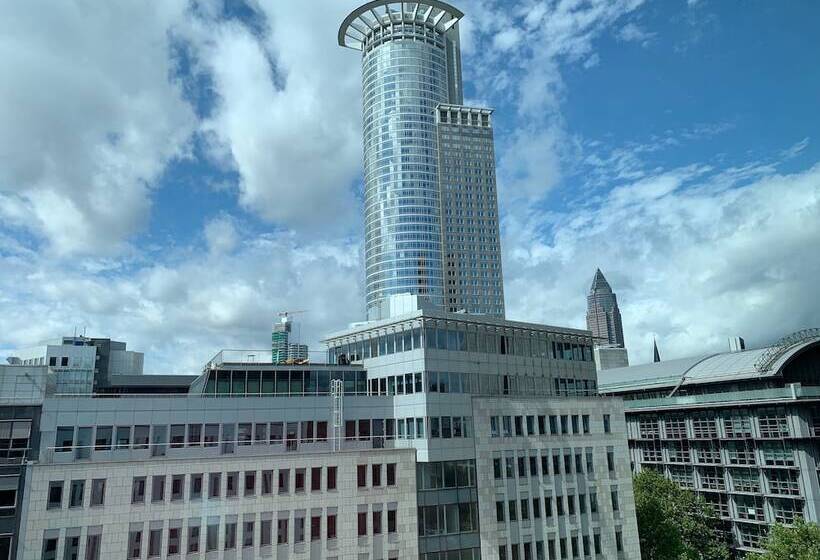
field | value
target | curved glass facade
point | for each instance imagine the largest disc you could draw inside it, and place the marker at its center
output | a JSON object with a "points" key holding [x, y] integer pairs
{"points": [[404, 79]]}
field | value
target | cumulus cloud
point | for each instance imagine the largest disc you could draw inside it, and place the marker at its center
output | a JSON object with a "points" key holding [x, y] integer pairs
{"points": [[89, 118], [694, 257], [288, 113]]}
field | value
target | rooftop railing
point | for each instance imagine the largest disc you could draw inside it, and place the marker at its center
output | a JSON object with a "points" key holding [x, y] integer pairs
{"points": [[791, 392]]}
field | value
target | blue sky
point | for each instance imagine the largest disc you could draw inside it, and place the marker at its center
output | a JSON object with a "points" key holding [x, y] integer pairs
{"points": [[174, 174]]}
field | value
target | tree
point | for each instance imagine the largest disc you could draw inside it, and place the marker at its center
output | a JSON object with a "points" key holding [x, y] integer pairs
{"points": [[675, 524], [800, 541]]}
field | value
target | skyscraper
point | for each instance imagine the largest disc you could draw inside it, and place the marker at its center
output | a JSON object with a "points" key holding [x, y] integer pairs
{"points": [[431, 217], [603, 315], [604, 320]]}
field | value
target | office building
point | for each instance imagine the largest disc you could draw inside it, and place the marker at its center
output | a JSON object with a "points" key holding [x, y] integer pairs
{"points": [[740, 428], [283, 350], [604, 321], [431, 212]]}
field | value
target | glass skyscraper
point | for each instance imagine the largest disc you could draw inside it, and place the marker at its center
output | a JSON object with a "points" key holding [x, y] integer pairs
{"points": [[431, 213]]}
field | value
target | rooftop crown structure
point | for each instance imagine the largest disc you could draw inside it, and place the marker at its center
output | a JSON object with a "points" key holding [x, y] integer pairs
{"points": [[431, 212]]}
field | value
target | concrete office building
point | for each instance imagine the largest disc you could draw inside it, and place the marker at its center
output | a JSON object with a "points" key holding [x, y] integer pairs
{"points": [[741, 428], [604, 322], [431, 211], [426, 451]]}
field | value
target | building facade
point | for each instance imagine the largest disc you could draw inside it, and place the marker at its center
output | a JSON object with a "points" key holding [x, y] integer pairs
{"points": [[429, 178], [604, 322], [740, 428]]}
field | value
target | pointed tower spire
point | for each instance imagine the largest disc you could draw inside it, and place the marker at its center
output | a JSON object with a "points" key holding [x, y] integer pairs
{"points": [[599, 284], [657, 357]]}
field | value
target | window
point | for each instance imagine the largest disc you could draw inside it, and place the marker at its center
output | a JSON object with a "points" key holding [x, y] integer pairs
{"points": [[157, 489], [331, 478], [97, 492], [525, 509], [177, 436], [134, 544], [55, 494], [77, 493], [391, 474], [215, 485], [610, 460], [177, 487], [377, 522], [614, 496], [193, 538], [123, 437], [194, 435], [138, 490], [65, 439], [247, 534], [361, 523], [585, 423], [607, 424], [316, 528], [250, 483], [300, 480], [298, 529], [212, 537], [154, 543], [284, 481], [331, 526], [195, 492], [267, 482], [512, 510], [211, 435], [230, 536], [361, 476], [282, 531], [92, 547], [391, 521], [316, 479], [102, 441], [376, 475], [266, 532], [497, 474], [499, 511], [231, 484], [173, 540]]}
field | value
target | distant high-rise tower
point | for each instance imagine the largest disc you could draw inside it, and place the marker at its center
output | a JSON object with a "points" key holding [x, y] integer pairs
{"points": [[431, 210], [603, 315], [604, 320], [283, 351]]}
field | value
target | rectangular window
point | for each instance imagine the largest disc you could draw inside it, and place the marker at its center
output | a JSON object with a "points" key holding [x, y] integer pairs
{"points": [[391, 521], [316, 528], [230, 536], [607, 424], [266, 532], [214, 485], [300, 480], [194, 435], [298, 529], [75, 498], [499, 511], [92, 547], [154, 543], [193, 539], [267, 482], [138, 490], [231, 484], [331, 478], [250, 483], [134, 544], [376, 475], [377, 522], [123, 437], [177, 436], [316, 479], [195, 491], [284, 481], [97, 492], [55, 494], [211, 435], [361, 523], [247, 534], [102, 440], [158, 488], [177, 487], [331, 526], [65, 439], [361, 476], [282, 531], [141, 437], [173, 540], [212, 537]]}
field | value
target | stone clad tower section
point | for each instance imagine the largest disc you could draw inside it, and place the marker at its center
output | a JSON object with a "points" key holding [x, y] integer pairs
{"points": [[411, 64]]}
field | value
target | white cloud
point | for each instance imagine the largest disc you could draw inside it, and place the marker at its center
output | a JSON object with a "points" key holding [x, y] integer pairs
{"points": [[633, 33], [693, 264], [288, 113], [89, 117], [221, 235]]}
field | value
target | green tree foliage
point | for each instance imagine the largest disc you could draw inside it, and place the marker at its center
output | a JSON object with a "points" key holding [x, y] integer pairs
{"points": [[800, 541], [675, 524]]}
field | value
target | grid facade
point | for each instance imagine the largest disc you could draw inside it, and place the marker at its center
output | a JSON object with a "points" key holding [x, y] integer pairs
{"points": [[473, 279]]}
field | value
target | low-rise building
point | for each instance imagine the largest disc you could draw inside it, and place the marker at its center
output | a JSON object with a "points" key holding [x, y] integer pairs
{"points": [[740, 428]]}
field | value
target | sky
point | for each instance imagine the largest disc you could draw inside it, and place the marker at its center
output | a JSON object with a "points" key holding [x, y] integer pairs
{"points": [[174, 174]]}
